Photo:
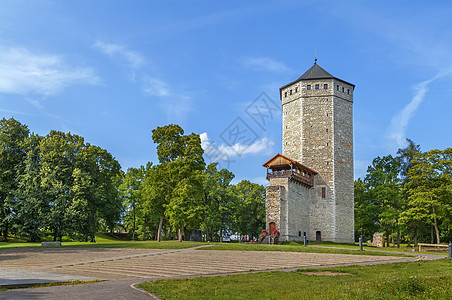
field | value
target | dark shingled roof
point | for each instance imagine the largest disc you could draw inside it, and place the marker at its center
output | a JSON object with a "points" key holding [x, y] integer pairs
{"points": [[315, 72]]}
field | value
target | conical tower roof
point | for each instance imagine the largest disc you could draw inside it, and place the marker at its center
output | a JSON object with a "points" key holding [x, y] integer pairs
{"points": [[316, 72]]}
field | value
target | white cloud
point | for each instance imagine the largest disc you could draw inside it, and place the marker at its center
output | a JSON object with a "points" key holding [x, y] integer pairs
{"points": [[176, 105], [155, 87], [265, 63], [222, 152], [131, 57], [400, 122], [23, 72]]}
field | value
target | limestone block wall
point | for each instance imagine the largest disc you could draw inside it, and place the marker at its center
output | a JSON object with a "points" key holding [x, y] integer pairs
{"points": [[298, 211], [343, 166], [276, 204], [318, 132]]}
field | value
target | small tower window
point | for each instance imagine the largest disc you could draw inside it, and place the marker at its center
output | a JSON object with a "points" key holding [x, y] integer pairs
{"points": [[285, 94], [316, 86], [343, 89], [327, 130], [308, 87], [337, 87], [323, 192], [296, 89], [325, 86], [291, 92], [348, 91]]}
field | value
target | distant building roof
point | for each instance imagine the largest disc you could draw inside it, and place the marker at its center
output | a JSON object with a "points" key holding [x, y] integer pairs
{"points": [[280, 160], [315, 72]]}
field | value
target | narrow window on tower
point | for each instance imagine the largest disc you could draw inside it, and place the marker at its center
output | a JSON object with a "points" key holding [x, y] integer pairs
{"points": [[323, 192], [308, 87], [327, 130], [337, 87], [325, 86], [285, 94], [316, 86], [343, 89], [348, 91], [296, 89]]}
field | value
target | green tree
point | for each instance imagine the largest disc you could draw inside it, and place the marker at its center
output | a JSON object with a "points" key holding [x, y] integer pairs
{"points": [[13, 136], [429, 189], [383, 184], [218, 198], [181, 159], [248, 210], [131, 190], [366, 211]]}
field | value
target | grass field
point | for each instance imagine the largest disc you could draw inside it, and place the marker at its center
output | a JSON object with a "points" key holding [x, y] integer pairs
{"points": [[104, 240], [413, 280], [295, 247]]}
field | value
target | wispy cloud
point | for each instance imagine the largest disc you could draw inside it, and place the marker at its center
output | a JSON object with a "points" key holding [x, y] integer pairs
{"points": [[400, 122], [132, 58], [265, 63], [221, 151], [155, 87], [176, 104], [24, 72]]}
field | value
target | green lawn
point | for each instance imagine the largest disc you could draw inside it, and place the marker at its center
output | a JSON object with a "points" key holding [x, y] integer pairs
{"points": [[413, 280], [294, 247], [110, 244]]}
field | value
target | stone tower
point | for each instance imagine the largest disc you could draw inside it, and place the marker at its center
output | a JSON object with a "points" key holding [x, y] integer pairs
{"points": [[318, 136]]}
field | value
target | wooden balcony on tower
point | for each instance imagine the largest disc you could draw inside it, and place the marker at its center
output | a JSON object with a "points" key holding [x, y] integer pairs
{"points": [[280, 166]]}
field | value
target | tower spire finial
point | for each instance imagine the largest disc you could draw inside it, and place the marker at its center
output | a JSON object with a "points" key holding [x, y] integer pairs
{"points": [[315, 56]]}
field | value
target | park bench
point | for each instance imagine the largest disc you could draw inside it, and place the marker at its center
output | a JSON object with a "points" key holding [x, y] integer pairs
{"points": [[50, 244], [431, 245]]}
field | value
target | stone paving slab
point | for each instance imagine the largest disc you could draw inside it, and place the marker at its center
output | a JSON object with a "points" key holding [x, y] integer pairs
{"points": [[146, 263], [126, 266], [15, 278]]}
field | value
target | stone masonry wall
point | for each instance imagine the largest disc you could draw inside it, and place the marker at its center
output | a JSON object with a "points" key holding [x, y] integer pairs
{"points": [[343, 164], [318, 132], [276, 203], [298, 211]]}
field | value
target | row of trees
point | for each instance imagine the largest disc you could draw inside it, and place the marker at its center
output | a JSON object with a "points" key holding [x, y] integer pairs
{"points": [[181, 194], [60, 185], [55, 183], [408, 197]]}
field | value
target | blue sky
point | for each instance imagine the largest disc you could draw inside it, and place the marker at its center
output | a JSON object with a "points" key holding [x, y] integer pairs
{"points": [[112, 71]]}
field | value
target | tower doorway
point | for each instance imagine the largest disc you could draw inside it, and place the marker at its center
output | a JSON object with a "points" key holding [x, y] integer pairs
{"points": [[272, 226], [318, 236]]}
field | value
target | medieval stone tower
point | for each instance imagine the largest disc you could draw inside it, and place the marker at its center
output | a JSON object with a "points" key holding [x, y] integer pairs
{"points": [[311, 184]]}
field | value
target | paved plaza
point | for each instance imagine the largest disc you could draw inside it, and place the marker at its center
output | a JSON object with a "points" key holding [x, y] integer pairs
{"points": [[123, 267]]}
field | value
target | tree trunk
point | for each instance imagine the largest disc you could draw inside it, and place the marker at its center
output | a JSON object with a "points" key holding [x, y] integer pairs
{"points": [[392, 237], [159, 232], [415, 238], [169, 233], [144, 229], [181, 230], [435, 224], [398, 238], [207, 230], [432, 238], [134, 223], [387, 238], [5, 233]]}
